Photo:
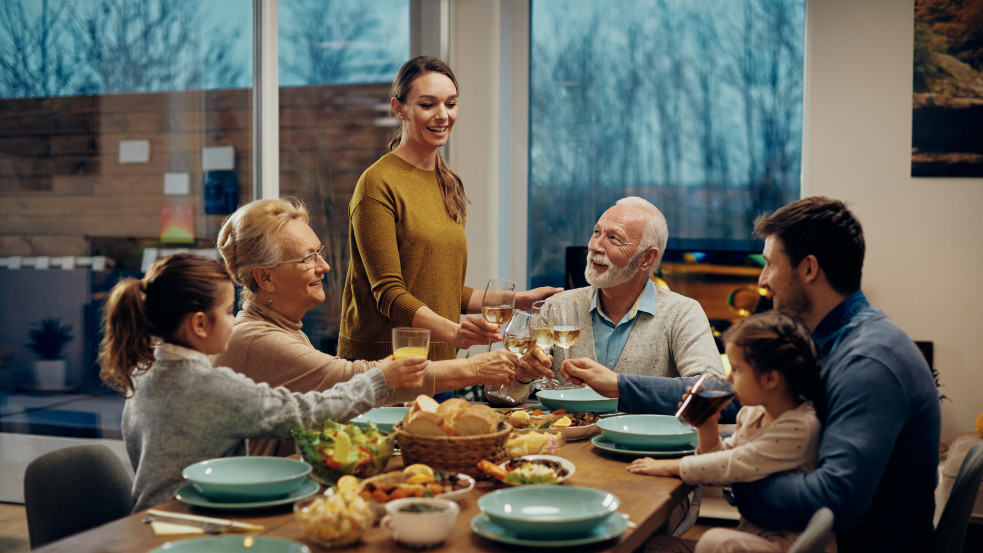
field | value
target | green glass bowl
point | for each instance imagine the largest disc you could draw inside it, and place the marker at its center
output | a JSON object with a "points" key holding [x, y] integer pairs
{"points": [[247, 478], [647, 431], [548, 512]]}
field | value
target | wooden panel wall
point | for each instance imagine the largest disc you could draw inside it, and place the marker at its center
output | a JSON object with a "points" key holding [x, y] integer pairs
{"points": [[63, 190]]}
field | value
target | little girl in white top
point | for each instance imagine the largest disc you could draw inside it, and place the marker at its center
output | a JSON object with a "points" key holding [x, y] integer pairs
{"points": [[159, 332], [775, 375]]}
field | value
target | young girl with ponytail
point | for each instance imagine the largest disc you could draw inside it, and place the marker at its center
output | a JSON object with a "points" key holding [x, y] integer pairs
{"points": [[159, 332], [775, 376]]}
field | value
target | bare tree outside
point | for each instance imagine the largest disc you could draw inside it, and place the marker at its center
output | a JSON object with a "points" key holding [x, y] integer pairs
{"points": [[67, 48], [34, 62], [695, 105], [342, 41]]}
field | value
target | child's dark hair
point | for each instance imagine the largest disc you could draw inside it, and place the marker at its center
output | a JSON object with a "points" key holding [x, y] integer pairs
{"points": [[777, 341], [138, 313]]}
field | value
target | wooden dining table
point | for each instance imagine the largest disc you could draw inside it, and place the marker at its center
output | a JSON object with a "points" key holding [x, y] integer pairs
{"points": [[646, 500]]}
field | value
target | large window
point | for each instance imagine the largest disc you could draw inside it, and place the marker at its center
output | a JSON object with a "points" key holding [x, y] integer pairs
{"points": [[695, 105], [126, 126], [337, 63]]}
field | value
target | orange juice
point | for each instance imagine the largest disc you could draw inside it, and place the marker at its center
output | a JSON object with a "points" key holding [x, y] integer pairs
{"points": [[411, 351]]}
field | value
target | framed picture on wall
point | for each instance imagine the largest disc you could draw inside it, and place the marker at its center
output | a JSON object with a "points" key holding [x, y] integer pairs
{"points": [[947, 99]]}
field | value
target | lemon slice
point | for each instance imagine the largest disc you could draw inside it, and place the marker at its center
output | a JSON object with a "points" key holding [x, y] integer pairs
{"points": [[418, 468], [348, 484], [342, 448], [420, 478], [521, 415], [563, 422]]}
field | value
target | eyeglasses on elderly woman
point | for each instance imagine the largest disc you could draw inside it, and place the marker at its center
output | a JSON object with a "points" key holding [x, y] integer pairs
{"points": [[310, 259]]}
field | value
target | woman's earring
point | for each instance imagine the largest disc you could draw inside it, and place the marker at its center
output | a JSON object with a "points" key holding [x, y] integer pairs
{"points": [[270, 301]]}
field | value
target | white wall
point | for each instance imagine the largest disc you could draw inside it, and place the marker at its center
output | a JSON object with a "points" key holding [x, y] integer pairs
{"points": [[923, 235], [923, 251]]}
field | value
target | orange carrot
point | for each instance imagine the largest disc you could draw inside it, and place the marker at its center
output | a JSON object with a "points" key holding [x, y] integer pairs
{"points": [[492, 469]]}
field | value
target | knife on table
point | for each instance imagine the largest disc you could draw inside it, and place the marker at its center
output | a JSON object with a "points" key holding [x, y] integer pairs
{"points": [[209, 524]]}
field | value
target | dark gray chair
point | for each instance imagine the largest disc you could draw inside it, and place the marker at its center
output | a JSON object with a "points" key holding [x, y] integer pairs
{"points": [[950, 534], [814, 538], [74, 489]]}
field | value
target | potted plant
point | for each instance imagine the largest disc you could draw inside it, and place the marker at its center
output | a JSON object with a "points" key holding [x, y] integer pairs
{"points": [[48, 338]]}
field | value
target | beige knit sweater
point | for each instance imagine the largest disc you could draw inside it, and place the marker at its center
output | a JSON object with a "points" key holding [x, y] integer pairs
{"points": [[268, 347]]}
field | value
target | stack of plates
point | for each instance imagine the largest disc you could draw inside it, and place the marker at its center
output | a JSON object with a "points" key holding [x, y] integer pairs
{"points": [[658, 436], [549, 516]]}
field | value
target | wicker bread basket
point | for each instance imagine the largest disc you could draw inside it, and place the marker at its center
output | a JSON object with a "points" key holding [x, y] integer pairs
{"points": [[453, 453]]}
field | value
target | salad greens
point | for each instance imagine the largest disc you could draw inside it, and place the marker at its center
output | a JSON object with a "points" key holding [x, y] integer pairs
{"points": [[338, 449]]}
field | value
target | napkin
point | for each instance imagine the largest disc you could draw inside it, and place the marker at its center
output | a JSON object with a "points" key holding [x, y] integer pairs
{"points": [[172, 529]]}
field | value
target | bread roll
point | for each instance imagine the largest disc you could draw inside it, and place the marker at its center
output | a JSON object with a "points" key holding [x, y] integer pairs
{"points": [[473, 422]]}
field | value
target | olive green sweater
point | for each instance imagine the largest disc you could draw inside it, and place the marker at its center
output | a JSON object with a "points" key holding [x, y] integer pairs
{"points": [[406, 252]]}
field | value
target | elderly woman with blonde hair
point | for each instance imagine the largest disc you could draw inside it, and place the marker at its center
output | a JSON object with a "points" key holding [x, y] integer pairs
{"points": [[270, 250]]}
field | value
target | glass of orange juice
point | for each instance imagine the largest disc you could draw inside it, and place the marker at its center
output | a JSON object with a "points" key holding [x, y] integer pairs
{"points": [[411, 342]]}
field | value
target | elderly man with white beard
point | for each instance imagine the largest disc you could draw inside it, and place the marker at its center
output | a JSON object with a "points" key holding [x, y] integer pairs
{"points": [[627, 323]]}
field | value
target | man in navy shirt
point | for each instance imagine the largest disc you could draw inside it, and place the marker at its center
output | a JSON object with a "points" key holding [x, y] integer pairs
{"points": [[878, 456]]}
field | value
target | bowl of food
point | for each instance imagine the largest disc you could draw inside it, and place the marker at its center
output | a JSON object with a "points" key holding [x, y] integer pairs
{"points": [[246, 478], [334, 519], [577, 400], [573, 426], [334, 450], [420, 523], [548, 512], [451, 436], [647, 431], [537, 469], [416, 480], [533, 442]]}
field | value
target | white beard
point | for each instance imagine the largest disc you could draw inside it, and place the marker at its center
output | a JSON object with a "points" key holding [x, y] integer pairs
{"points": [[614, 275]]}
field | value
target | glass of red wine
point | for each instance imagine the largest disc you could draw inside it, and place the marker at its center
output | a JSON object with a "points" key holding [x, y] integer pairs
{"points": [[707, 396]]}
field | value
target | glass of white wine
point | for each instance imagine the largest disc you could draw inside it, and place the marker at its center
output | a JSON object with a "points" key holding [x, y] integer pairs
{"points": [[564, 326], [539, 328], [497, 306]]}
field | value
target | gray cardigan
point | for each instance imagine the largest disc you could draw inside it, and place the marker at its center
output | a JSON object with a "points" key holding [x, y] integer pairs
{"points": [[676, 341], [185, 411]]}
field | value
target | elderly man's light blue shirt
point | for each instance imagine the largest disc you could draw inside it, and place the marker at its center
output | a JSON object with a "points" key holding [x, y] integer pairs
{"points": [[610, 337]]}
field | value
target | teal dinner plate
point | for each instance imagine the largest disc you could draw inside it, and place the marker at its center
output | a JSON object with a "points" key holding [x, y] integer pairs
{"points": [[383, 417], [612, 527], [188, 494], [577, 400], [648, 432], [603, 443], [233, 544]]}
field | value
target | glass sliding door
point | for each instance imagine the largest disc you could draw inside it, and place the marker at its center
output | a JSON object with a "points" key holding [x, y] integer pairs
{"points": [[125, 133], [337, 61]]}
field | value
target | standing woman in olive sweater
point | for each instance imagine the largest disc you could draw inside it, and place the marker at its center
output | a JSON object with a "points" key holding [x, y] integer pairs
{"points": [[406, 232]]}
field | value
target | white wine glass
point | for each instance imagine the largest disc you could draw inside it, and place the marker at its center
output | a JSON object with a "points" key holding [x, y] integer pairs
{"points": [[564, 326], [539, 328], [498, 302], [497, 306]]}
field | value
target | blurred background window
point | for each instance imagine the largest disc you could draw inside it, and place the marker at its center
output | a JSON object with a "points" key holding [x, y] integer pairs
{"points": [[695, 105], [126, 134]]}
